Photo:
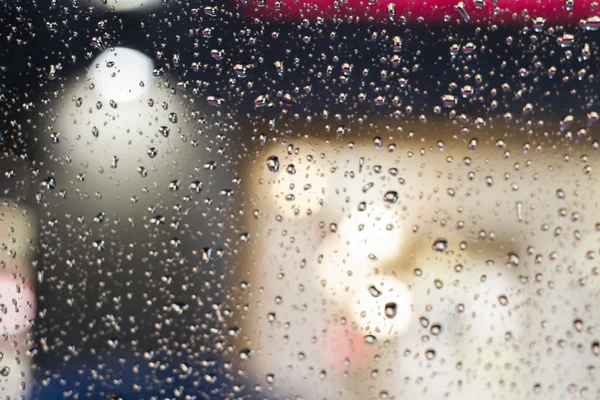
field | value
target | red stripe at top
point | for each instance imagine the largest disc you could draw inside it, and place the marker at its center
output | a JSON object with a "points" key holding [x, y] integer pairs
{"points": [[511, 12]]}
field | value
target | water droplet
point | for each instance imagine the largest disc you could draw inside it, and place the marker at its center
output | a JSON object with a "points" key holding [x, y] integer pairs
{"points": [[391, 8], [539, 23], [270, 378], [440, 245], [374, 291], [245, 354], [196, 186], [591, 23], [462, 11], [503, 300], [473, 144], [430, 354], [391, 309], [48, 184], [390, 197], [479, 4], [513, 259], [273, 163], [370, 339], [565, 122], [566, 40], [174, 185], [449, 101], [435, 329], [164, 131]]}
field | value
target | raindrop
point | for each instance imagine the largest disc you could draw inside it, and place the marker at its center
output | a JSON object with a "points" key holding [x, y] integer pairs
{"points": [[196, 186], [430, 354], [273, 163], [449, 101], [390, 197], [174, 185], [48, 184], [391, 309], [152, 152], [374, 291], [164, 131], [435, 329], [462, 11], [513, 259], [440, 245], [370, 339]]}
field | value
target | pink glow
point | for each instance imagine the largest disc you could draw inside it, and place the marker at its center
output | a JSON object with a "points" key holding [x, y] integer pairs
{"points": [[508, 12]]}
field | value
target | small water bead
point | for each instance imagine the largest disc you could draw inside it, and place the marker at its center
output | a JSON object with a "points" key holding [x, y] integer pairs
{"points": [[473, 144], [370, 339], [196, 186], [273, 163], [565, 122], [164, 131], [503, 300], [466, 91], [435, 329], [596, 348], [391, 309], [48, 184], [430, 354], [246, 354], [174, 185], [374, 291], [244, 238], [479, 4], [513, 259], [270, 378], [449, 101], [390, 197], [440, 245], [566, 40], [152, 152]]}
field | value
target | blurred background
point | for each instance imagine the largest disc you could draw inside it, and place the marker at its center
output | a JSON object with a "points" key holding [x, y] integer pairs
{"points": [[316, 200]]}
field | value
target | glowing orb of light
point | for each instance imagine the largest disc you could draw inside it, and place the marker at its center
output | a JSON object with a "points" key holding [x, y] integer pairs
{"points": [[127, 5], [121, 74]]}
